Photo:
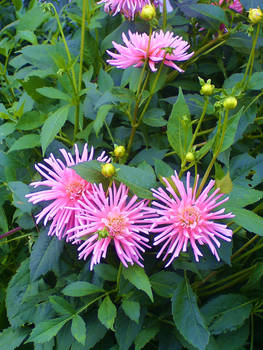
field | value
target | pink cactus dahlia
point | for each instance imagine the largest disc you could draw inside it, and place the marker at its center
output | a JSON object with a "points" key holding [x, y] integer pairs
{"points": [[232, 4], [163, 46], [64, 188], [112, 218], [128, 8], [184, 217]]}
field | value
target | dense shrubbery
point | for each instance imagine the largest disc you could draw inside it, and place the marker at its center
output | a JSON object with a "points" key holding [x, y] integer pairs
{"points": [[192, 105]]}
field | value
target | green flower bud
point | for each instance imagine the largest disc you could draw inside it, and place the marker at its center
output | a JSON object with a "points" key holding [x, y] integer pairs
{"points": [[148, 12], [207, 89], [189, 157], [119, 151], [255, 15], [230, 102], [108, 170]]}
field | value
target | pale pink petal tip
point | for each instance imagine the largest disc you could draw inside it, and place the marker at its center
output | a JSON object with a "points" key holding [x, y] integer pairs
{"points": [[163, 47], [64, 188], [112, 218], [185, 219]]}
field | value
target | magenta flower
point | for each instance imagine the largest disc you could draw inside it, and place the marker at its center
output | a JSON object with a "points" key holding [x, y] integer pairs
{"points": [[128, 8], [232, 4], [184, 217], [65, 188], [163, 46], [112, 217]]}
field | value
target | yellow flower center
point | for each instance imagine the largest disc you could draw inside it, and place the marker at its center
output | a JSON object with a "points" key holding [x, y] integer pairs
{"points": [[75, 189], [116, 225], [190, 216]]}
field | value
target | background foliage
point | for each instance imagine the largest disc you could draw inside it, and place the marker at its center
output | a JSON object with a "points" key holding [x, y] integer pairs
{"points": [[50, 299]]}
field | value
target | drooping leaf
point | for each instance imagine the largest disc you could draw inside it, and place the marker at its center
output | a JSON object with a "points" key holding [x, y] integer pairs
{"points": [[25, 142], [105, 271], [146, 335], [131, 309], [107, 312], [61, 306], [11, 338], [187, 316], [78, 329], [137, 276]]}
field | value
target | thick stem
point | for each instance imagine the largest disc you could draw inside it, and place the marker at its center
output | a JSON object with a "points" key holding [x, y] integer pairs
{"points": [[164, 15], [11, 232]]}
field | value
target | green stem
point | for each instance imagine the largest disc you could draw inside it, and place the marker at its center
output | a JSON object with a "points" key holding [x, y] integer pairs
{"points": [[257, 247], [82, 42], [195, 133], [244, 246], [250, 62], [252, 333], [118, 277], [164, 15], [109, 132], [209, 168]]}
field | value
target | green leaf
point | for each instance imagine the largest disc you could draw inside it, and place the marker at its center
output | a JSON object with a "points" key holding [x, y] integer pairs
{"points": [[6, 129], [256, 81], [78, 329], [131, 309], [226, 312], [100, 118], [106, 272], [19, 190], [179, 128], [233, 340], [247, 219], [231, 130], [209, 11], [154, 117], [241, 198], [30, 120], [32, 19], [162, 169], [145, 336], [44, 331], [18, 4], [107, 313], [45, 255], [164, 283], [126, 330], [137, 276], [61, 306], [15, 293], [25, 142], [105, 81], [28, 35], [52, 126], [187, 316], [11, 338], [80, 289], [51, 92]]}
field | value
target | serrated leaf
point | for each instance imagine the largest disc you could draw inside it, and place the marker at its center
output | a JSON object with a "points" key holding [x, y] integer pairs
{"points": [[179, 127], [61, 306], [107, 313], [131, 309], [231, 130], [44, 331], [249, 220], [106, 272], [226, 312], [52, 126], [80, 289], [154, 117], [100, 118], [11, 338], [164, 283], [137, 276], [25, 142], [187, 316], [19, 190], [45, 255], [145, 336], [51, 92], [91, 172], [78, 329]]}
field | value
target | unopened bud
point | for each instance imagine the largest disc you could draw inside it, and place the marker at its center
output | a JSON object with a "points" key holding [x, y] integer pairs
{"points": [[255, 15], [230, 102], [148, 12], [119, 151], [189, 157], [207, 89], [108, 170]]}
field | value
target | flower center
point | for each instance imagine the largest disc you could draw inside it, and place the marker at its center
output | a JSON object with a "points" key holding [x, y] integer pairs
{"points": [[75, 189], [189, 217], [116, 225]]}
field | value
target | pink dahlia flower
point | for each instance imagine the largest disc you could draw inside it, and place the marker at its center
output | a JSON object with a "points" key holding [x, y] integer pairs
{"points": [[115, 218], [128, 8], [184, 217], [232, 4], [64, 188], [163, 46]]}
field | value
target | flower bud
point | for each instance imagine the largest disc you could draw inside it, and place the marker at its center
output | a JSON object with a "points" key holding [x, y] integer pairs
{"points": [[108, 170], [189, 157], [207, 89], [119, 151], [230, 102], [148, 12], [255, 15]]}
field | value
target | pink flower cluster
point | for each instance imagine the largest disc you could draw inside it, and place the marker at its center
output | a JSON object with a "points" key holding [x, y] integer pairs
{"points": [[85, 213]]}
